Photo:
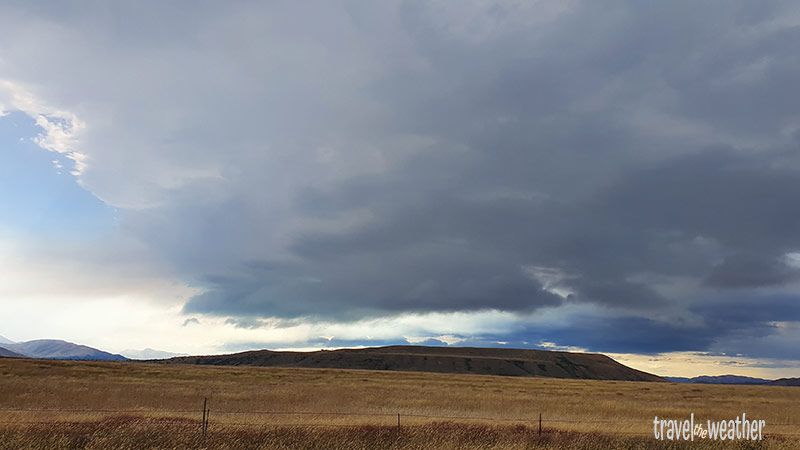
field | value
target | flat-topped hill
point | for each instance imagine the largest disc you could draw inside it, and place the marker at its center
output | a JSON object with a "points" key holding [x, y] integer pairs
{"points": [[461, 360]]}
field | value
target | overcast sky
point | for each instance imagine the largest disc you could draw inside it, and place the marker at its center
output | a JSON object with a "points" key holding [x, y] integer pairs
{"points": [[203, 177]]}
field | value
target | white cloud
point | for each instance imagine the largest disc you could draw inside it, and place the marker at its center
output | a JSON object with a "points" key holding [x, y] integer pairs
{"points": [[793, 259], [60, 129], [562, 348], [553, 279]]}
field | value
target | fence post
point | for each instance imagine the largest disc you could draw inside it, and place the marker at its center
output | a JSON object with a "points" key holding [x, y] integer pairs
{"points": [[203, 423], [540, 424], [398, 422]]}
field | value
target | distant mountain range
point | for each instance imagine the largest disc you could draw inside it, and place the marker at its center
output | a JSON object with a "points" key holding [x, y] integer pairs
{"points": [[736, 379], [720, 379], [58, 349], [785, 382], [461, 360], [55, 349], [150, 353]]}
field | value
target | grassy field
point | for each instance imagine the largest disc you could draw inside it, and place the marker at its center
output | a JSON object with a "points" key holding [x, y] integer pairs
{"points": [[98, 405]]}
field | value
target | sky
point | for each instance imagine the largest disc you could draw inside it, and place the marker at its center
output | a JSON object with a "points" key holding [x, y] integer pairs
{"points": [[202, 177]]}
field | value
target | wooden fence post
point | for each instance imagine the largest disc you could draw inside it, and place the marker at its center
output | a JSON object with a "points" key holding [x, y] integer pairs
{"points": [[203, 423], [540, 424]]}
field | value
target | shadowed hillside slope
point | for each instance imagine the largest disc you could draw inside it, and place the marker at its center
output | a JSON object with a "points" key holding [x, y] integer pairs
{"points": [[461, 360], [9, 354]]}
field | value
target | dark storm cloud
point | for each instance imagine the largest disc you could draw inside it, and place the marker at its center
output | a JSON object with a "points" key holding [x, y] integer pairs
{"points": [[352, 284], [747, 271], [541, 158], [691, 217], [632, 335], [736, 324], [735, 313], [636, 157]]}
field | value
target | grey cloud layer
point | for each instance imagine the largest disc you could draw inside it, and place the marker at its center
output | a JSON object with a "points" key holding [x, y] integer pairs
{"points": [[369, 160]]}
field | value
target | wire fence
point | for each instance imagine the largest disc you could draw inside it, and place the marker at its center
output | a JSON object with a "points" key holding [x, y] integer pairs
{"points": [[267, 418]]}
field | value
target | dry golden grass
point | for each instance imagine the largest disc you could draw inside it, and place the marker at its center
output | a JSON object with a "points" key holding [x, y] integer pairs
{"points": [[130, 405]]}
